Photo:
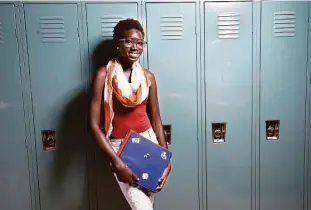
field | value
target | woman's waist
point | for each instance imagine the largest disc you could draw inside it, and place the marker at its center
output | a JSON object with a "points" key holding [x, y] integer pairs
{"points": [[122, 125], [135, 119]]}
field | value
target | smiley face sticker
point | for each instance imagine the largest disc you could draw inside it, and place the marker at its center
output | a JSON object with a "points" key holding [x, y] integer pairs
{"points": [[136, 140]]}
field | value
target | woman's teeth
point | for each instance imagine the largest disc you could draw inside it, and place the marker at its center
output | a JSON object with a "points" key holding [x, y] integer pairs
{"points": [[134, 54]]}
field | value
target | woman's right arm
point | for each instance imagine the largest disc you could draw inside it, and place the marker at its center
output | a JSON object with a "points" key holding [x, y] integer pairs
{"points": [[123, 173], [95, 113]]}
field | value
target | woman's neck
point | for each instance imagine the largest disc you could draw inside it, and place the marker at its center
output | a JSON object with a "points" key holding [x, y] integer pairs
{"points": [[125, 64]]}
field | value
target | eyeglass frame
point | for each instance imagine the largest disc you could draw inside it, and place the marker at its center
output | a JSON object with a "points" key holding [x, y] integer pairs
{"points": [[133, 42]]}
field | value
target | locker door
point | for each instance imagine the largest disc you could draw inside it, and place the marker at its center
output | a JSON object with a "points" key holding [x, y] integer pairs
{"points": [[228, 70], [101, 19], [14, 175], [55, 69], [282, 105], [172, 58]]}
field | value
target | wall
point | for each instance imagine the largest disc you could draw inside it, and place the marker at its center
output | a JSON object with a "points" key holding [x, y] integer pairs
{"points": [[226, 71]]}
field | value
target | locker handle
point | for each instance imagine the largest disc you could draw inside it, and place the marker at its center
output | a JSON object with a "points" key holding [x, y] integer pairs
{"points": [[48, 140], [272, 129], [219, 132], [167, 133]]}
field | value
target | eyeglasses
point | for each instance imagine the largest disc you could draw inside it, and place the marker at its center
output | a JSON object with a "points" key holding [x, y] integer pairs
{"points": [[130, 43]]}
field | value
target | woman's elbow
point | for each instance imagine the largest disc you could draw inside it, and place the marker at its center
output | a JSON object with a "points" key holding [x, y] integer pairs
{"points": [[93, 126]]}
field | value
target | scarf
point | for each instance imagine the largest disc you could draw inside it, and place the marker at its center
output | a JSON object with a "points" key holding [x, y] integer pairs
{"points": [[129, 94]]}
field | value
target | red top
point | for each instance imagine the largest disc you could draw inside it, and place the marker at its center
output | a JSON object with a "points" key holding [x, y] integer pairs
{"points": [[128, 118]]}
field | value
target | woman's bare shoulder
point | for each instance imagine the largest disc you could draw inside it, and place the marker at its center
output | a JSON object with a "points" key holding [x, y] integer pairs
{"points": [[100, 75], [101, 72], [150, 75]]}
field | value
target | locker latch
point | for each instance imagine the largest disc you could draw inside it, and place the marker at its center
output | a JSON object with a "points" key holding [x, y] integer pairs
{"points": [[219, 132], [272, 129], [167, 133], [48, 140]]}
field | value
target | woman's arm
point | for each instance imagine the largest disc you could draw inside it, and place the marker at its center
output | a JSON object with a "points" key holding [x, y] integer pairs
{"points": [[156, 123], [124, 174], [95, 113], [154, 111]]}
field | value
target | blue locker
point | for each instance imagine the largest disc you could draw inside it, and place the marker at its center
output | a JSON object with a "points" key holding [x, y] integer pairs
{"points": [[56, 82], [14, 175], [284, 41], [172, 58], [101, 19], [228, 76]]}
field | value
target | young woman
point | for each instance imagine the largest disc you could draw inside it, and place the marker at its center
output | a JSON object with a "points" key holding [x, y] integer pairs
{"points": [[127, 92]]}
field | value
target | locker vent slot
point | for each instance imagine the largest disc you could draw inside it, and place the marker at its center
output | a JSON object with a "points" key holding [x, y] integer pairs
{"points": [[108, 22], [171, 27], [52, 29], [1, 33], [284, 24], [228, 25]]}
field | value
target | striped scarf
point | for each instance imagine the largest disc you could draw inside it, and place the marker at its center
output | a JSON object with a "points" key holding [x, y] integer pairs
{"points": [[129, 94]]}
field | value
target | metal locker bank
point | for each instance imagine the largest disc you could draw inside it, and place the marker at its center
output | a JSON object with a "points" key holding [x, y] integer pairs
{"points": [[233, 83]]}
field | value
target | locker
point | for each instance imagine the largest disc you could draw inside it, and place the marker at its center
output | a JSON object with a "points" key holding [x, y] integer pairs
{"points": [[242, 172], [56, 82], [283, 104], [14, 176], [309, 165], [228, 76], [101, 19], [172, 58]]}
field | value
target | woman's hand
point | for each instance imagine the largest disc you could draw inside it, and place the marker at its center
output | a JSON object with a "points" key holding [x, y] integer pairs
{"points": [[125, 174], [164, 177]]}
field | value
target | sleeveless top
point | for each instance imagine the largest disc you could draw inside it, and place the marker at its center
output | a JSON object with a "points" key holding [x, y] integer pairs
{"points": [[129, 118]]}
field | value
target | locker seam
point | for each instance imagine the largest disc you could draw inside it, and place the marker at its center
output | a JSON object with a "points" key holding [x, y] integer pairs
{"points": [[29, 108], [147, 38], [258, 136], [305, 166], [202, 194], [23, 97], [255, 101], [198, 99], [93, 191], [252, 113], [205, 105], [27, 65], [307, 121], [81, 38]]}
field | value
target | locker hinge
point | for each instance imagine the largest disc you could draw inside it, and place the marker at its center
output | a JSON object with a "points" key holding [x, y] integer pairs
{"points": [[78, 31], [16, 34], [26, 145]]}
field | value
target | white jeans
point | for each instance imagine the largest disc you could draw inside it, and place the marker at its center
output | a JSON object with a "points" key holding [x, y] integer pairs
{"points": [[136, 198]]}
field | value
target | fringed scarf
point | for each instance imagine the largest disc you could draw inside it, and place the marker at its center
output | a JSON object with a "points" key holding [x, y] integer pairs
{"points": [[129, 94]]}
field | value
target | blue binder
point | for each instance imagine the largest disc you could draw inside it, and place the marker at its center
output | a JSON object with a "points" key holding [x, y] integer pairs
{"points": [[146, 159]]}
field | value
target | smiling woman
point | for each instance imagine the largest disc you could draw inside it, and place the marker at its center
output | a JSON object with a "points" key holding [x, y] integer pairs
{"points": [[128, 91]]}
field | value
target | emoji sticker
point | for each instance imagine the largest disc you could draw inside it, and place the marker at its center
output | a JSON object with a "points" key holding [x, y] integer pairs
{"points": [[136, 140]]}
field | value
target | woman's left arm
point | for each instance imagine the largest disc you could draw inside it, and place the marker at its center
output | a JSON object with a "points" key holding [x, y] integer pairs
{"points": [[156, 123], [154, 111]]}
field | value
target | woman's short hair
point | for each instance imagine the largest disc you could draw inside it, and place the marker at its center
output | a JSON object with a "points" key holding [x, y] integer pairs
{"points": [[125, 25]]}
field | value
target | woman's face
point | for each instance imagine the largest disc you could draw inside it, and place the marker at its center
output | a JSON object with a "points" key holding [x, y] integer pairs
{"points": [[131, 46]]}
